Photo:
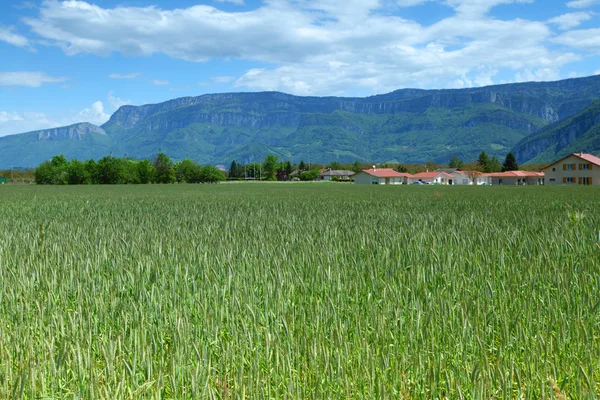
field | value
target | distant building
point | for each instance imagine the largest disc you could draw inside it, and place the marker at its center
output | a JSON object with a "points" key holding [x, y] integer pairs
{"points": [[516, 178], [341, 174], [436, 177], [381, 176], [574, 169]]}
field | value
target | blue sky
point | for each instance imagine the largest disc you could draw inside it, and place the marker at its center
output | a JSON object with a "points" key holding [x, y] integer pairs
{"points": [[64, 62]]}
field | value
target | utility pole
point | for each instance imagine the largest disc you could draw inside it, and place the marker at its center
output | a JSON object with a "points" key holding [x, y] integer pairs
{"points": [[12, 179]]}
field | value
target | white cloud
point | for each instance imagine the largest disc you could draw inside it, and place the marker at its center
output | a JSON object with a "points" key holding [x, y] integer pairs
{"points": [[324, 46], [124, 76], [159, 82], [411, 3], [236, 2], [9, 116], [6, 35], [13, 122], [475, 8], [541, 74], [597, 72], [583, 39], [571, 20], [95, 114], [116, 102], [582, 3], [28, 79]]}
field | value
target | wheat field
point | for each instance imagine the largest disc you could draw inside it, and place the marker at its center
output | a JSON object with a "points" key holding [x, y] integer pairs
{"points": [[299, 291]]}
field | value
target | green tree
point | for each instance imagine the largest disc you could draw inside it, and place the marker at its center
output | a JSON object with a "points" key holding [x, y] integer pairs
{"points": [[335, 165], [302, 166], [309, 175], [164, 171], [270, 167], [234, 170], [77, 174], [456, 162], [91, 169], [188, 171], [288, 167], [484, 162], [495, 165], [510, 163], [401, 168], [43, 174], [110, 171], [211, 174], [145, 171], [357, 166]]}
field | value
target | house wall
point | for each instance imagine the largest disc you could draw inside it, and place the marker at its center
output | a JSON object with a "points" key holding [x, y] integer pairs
{"points": [[460, 179], [363, 178], [570, 171]]}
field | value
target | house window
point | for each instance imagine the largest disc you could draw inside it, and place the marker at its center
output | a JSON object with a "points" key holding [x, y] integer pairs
{"points": [[553, 169], [552, 180], [586, 181], [585, 167], [570, 180], [570, 167]]}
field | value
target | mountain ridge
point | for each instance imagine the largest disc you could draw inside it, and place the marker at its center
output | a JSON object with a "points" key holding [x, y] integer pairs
{"points": [[406, 125]]}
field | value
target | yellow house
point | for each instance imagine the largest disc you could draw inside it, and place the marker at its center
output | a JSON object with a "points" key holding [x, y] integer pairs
{"points": [[575, 169]]}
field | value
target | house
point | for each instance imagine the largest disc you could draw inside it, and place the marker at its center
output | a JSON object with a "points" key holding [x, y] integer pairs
{"points": [[574, 169], [458, 177], [381, 176], [341, 174], [516, 178], [440, 178]]}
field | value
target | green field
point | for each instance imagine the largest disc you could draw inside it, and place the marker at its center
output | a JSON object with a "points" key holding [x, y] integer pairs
{"points": [[299, 291]]}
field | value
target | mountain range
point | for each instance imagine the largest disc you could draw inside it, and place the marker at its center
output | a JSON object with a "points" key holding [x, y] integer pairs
{"points": [[538, 120]]}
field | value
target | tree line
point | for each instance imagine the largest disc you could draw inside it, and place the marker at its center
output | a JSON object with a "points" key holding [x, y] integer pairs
{"points": [[112, 171], [486, 164]]}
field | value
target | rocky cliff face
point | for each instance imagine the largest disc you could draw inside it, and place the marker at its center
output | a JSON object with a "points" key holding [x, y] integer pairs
{"points": [[551, 140], [408, 125], [73, 132]]}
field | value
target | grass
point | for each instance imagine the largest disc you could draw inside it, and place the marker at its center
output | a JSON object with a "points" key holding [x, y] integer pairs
{"points": [[299, 291]]}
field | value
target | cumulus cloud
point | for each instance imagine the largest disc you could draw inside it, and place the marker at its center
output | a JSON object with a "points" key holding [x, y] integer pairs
{"points": [[12, 122], [116, 102], [583, 39], [124, 76], [95, 114], [582, 3], [236, 2], [7, 35], [571, 20], [28, 79], [324, 46]]}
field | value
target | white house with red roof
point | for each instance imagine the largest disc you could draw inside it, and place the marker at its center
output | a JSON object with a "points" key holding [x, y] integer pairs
{"points": [[574, 169], [381, 176], [516, 178], [436, 177]]}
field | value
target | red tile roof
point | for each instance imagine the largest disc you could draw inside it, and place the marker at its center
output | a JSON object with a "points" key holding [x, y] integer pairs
{"points": [[584, 156], [589, 158], [385, 173], [431, 175], [516, 174]]}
